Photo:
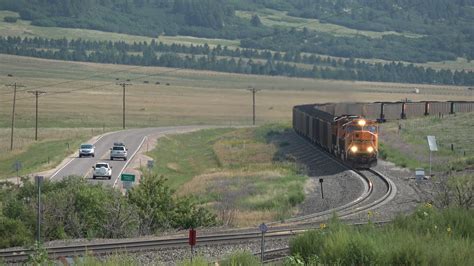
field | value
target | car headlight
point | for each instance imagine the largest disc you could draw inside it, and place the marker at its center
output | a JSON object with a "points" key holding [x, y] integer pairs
{"points": [[370, 149], [354, 149]]}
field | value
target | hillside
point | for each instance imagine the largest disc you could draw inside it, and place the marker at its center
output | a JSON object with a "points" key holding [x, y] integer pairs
{"points": [[274, 37]]}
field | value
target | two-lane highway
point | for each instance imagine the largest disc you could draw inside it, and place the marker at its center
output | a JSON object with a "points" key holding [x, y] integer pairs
{"points": [[132, 138]]}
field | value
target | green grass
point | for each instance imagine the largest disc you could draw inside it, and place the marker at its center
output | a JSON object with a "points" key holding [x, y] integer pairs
{"points": [[223, 166], [179, 158], [242, 258], [410, 147], [272, 18], [427, 237], [38, 157]]}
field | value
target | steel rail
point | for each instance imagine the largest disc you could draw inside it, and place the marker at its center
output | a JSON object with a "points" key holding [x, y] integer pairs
{"points": [[21, 255], [356, 206]]}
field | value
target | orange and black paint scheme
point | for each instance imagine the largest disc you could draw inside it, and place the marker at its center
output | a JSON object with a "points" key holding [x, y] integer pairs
{"points": [[351, 138]]}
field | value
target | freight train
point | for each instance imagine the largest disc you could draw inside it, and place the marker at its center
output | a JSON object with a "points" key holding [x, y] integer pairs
{"points": [[350, 131], [352, 138]]}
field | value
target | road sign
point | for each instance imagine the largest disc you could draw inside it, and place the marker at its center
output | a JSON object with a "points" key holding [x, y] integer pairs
{"points": [[263, 228], [192, 237], [150, 164], [17, 166], [432, 143], [127, 177], [433, 146]]}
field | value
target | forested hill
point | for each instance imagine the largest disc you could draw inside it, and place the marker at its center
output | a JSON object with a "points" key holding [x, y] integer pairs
{"points": [[412, 30]]}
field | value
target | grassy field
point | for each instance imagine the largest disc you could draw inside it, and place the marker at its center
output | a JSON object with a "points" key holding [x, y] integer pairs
{"points": [[85, 95], [54, 145], [409, 148], [82, 94], [273, 18], [233, 171]]}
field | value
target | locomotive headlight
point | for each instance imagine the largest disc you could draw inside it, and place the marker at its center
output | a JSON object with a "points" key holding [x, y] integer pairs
{"points": [[354, 149], [361, 123], [370, 149]]}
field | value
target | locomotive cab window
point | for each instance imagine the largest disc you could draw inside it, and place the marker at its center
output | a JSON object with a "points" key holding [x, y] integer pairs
{"points": [[372, 129]]}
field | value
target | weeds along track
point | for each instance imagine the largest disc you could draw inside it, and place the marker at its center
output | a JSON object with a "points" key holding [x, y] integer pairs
{"points": [[19, 256]]}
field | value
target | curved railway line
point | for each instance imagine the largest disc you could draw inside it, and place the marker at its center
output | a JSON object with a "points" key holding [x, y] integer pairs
{"points": [[373, 196]]}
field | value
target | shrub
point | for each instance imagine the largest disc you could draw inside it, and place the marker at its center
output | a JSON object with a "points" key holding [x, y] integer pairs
{"points": [[10, 19], [13, 233], [308, 244], [242, 258]]}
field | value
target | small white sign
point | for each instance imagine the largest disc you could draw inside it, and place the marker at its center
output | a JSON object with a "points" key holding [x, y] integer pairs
{"points": [[432, 143]]}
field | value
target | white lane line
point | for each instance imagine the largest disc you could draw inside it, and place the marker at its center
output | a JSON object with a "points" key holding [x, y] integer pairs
{"points": [[160, 135], [128, 161], [75, 157]]}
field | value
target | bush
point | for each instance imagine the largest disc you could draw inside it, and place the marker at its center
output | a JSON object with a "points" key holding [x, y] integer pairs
{"points": [[10, 19], [242, 258], [427, 237], [13, 233]]}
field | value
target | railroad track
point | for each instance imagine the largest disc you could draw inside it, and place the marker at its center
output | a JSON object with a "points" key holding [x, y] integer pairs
{"points": [[21, 255], [369, 199]]}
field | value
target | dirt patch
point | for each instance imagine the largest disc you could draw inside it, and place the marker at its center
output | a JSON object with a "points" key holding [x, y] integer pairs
{"points": [[173, 166]]}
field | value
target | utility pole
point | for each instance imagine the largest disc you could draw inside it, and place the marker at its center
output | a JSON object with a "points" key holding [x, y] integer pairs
{"points": [[15, 86], [123, 84], [37, 93], [253, 90]]}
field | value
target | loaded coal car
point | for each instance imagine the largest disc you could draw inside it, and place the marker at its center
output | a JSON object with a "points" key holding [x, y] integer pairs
{"points": [[351, 138]]}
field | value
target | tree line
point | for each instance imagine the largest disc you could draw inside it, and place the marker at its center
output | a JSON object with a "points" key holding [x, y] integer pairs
{"points": [[246, 61], [444, 27]]}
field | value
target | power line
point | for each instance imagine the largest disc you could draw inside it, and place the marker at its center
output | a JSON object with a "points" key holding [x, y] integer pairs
{"points": [[101, 85], [37, 93], [15, 86], [81, 79]]}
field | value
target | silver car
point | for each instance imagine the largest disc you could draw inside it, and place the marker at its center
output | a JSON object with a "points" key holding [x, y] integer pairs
{"points": [[86, 150], [118, 151]]}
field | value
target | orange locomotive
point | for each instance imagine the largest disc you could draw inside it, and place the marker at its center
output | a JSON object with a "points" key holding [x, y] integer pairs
{"points": [[349, 137]]}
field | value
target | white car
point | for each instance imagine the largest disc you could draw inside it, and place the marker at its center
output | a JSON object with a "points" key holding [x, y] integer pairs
{"points": [[118, 151], [86, 150], [102, 169]]}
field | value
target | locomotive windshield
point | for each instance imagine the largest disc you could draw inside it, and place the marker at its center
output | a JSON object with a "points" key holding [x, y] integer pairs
{"points": [[370, 128]]}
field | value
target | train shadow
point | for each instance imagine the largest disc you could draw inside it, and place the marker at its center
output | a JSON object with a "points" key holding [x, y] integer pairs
{"points": [[311, 158]]}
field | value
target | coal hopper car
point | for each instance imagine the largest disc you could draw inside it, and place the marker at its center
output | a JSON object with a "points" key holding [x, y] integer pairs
{"points": [[352, 138]]}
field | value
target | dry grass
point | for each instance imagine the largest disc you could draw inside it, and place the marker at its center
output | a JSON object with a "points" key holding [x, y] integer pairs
{"points": [[193, 97]]}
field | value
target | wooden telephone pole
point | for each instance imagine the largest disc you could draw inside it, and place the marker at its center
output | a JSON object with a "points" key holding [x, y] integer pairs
{"points": [[15, 86], [123, 84], [253, 90], [37, 93]]}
